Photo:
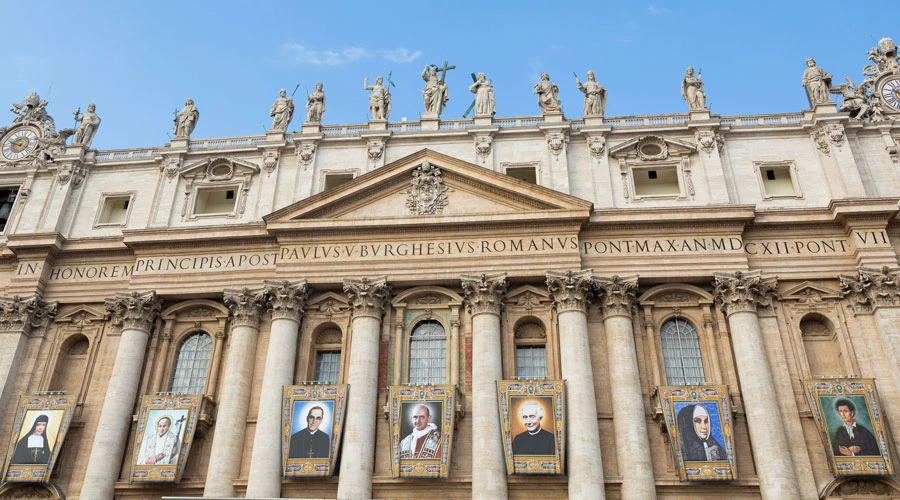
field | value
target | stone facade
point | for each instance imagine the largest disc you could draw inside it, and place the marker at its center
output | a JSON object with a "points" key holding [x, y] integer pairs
{"points": [[774, 236]]}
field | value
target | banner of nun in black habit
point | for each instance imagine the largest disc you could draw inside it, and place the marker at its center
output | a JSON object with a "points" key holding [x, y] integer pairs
{"points": [[40, 427], [699, 422]]}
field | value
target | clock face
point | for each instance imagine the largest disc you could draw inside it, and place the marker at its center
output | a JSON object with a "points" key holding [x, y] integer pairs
{"points": [[19, 143], [890, 92]]}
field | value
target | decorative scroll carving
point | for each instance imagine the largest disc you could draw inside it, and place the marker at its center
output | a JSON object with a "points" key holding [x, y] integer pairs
{"points": [[821, 139], [71, 172], [367, 296], [616, 294], [483, 144], [571, 290], [743, 292], [484, 292], [835, 133], [556, 141], [245, 306], [597, 146], [170, 165], [134, 310], [375, 149], [706, 139], [651, 147], [528, 300], [286, 299], [427, 191], [864, 487], [270, 161], [22, 314], [307, 153], [872, 288]]}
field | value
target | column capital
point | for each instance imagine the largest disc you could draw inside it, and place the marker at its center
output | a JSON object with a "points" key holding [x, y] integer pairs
{"points": [[872, 288], [134, 310], [367, 296], [571, 290], [616, 294], [286, 299], [21, 314], [484, 292], [245, 305], [743, 291]]}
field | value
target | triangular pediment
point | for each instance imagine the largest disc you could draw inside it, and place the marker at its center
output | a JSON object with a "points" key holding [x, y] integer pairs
{"points": [[462, 192], [652, 147], [81, 315], [219, 168], [809, 290]]}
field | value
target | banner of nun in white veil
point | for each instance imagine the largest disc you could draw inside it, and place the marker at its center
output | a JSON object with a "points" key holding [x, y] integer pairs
{"points": [[41, 424], [699, 422]]}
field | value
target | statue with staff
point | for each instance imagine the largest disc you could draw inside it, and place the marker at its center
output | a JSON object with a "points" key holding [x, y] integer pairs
{"points": [[380, 98], [435, 94], [283, 110]]}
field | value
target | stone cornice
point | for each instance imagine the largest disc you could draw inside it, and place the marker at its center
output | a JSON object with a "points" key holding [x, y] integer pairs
{"points": [[245, 306], [570, 290], [367, 296], [287, 299], [616, 294], [871, 288], [484, 292], [743, 291], [22, 314], [134, 310]]}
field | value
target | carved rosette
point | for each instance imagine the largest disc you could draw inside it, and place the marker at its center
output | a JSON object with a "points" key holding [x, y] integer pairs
{"points": [[245, 306], [872, 288], [484, 292], [597, 146], [427, 193], [367, 296], [743, 292], [571, 290], [23, 314], [616, 295], [287, 299], [134, 310]]}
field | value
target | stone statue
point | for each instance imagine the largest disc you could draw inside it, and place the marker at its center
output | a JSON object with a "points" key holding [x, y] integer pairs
{"points": [[282, 111], [186, 120], [856, 99], [34, 109], [692, 90], [484, 96], [548, 95], [379, 99], [315, 105], [88, 124], [817, 83], [435, 94], [594, 95]]}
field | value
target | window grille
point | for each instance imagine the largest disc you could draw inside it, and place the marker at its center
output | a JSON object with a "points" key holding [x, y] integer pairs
{"points": [[328, 366], [428, 354], [531, 362], [681, 353], [192, 364]]}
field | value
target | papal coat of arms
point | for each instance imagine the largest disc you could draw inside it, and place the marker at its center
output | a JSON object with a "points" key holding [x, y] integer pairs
{"points": [[427, 192]]}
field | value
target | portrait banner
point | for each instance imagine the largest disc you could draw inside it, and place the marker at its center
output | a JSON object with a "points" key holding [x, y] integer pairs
{"points": [[533, 425], [850, 422], [40, 427], [422, 419], [700, 425], [312, 420], [165, 431]]}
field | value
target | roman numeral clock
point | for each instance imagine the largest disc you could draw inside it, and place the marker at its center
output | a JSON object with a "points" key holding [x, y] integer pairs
{"points": [[19, 142], [890, 92]]}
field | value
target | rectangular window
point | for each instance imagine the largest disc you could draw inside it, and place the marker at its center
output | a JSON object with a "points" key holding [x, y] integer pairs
{"points": [[531, 362], [215, 201], [328, 367], [114, 210], [527, 174], [657, 181], [7, 201], [778, 179], [334, 180]]}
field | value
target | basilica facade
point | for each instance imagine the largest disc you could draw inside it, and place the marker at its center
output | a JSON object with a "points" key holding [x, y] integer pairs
{"points": [[665, 306]]}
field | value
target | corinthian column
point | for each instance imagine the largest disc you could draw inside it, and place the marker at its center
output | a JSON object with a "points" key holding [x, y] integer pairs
{"points": [[134, 313], [245, 306], [367, 300], [286, 300], [740, 294], [483, 295], [616, 297], [571, 292], [18, 317]]}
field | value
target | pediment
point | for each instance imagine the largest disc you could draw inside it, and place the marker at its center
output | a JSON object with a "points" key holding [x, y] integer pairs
{"points": [[81, 315], [219, 168], [328, 303], [461, 192], [652, 148], [809, 291]]}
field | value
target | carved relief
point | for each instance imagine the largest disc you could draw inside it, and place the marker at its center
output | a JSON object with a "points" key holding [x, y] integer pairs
{"points": [[367, 296], [429, 299], [74, 172], [651, 148], [24, 314], [820, 138], [556, 141], [864, 487], [484, 292], [170, 165], [375, 149], [743, 292], [307, 153], [597, 146], [706, 140], [835, 133], [528, 300], [616, 294], [872, 288], [427, 194], [483, 146], [270, 161], [571, 290], [134, 310]]}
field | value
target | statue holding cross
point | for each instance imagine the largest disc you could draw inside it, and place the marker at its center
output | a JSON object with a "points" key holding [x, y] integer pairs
{"points": [[435, 94]]}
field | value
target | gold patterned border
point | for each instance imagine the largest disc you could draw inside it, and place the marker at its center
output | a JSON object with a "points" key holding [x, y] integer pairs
{"points": [[533, 425], [166, 426], [422, 421], [305, 452], [40, 428]]}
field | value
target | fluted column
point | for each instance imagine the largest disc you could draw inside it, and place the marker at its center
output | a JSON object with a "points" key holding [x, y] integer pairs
{"points": [[571, 292], [18, 317], [483, 294], [286, 300], [134, 313], [245, 307], [368, 298], [740, 294], [616, 296]]}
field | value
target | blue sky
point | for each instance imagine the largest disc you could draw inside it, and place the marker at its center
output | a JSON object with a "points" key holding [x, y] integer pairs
{"points": [[139, 61]]}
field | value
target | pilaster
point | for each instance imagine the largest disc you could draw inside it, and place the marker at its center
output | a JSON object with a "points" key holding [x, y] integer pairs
{"points": [[557, 135], [19, 317], [167, 191], [376, 143]]}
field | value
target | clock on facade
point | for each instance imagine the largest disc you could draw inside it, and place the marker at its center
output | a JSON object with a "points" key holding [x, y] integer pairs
{"points": [[19, 143], [890, 92]]}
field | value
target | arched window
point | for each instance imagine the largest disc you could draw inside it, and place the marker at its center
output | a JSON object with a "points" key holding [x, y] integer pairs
{"points": [[681, 353], [428, 354], [191, 364], [328, 355], [531, 351]]}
